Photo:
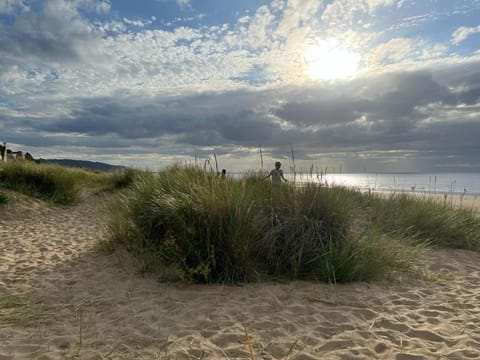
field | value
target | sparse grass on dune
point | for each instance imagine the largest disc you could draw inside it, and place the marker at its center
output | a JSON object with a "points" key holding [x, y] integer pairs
{"points": [[19, 309], [59, 184], [211, 229], [3, 198], [427, 220], [48, 182]]}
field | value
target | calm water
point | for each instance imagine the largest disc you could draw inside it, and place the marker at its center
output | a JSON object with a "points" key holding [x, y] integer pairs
{"points": [[456, 183]]}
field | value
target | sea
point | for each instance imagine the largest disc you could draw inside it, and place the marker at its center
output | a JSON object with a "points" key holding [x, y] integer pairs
{"points": [[425, 183]]}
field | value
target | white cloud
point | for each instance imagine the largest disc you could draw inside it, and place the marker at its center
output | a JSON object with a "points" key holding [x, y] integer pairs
{"points": [[259, 27], [463, 33], [112, 26], [348, 12], [373, 4], [188, 88], [393, 50], [297, 12], [277, 4], [10, 6], [183, 4], [138, 22]]}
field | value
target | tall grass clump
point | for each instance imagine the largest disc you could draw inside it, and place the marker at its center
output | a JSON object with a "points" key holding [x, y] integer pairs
{"points": [[186, 219], [59, 184], [299, 228], [427, 220], [48, 182], [211, 229]]}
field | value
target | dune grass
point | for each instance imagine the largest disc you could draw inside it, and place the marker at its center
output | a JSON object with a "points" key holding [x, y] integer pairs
{"points": [[209, 229], [19, 309], [59, 184], [3, 198], [425, 219]]}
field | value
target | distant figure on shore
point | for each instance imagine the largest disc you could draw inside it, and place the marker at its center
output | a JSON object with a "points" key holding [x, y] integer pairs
{"points": [[224, 173], [276, 174], [3, 151]]}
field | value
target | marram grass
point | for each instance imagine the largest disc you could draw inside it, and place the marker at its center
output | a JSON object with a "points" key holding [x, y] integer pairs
{"points": [[59, 184], [209, 229], [3, 198], [427, 220]]}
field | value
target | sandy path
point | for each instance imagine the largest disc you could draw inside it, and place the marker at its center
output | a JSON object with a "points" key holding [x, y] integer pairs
{"points": [[98, 307]]}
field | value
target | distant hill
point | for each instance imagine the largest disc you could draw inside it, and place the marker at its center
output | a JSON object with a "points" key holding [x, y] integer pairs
{"points": [[92, 165]]}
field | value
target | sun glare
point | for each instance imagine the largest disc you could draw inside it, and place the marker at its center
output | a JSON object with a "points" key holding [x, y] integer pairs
{"points": [[328, 60]]}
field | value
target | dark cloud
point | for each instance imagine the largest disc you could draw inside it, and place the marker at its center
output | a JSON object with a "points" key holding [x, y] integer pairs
{"points": [[18, 44], [321, 111], [470, 97], [391, 113]]}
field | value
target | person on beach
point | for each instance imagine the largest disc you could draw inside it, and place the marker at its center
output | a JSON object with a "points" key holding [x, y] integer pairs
{"points": [[224, 173], [276, 174]]}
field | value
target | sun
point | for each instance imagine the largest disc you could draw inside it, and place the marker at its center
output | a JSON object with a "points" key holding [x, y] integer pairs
{"points": [[328, 60]]}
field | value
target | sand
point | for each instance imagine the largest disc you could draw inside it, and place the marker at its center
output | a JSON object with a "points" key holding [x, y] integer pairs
{"points": [[79, 304]]}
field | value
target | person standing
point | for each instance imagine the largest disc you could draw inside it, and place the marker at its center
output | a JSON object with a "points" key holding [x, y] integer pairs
{"points": [[277, 174]]}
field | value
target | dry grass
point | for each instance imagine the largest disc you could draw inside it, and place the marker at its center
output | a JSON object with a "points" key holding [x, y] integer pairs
{"points": [[20, 309]]}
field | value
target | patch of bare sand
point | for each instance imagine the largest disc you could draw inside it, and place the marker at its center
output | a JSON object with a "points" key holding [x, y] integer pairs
{"points": [[99, 307]]}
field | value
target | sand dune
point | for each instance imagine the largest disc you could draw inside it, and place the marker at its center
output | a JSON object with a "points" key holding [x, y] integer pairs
{"points": [[82, 305]]}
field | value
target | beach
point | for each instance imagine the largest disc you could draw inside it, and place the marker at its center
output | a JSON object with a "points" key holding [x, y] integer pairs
{"points": [[73, 302]]}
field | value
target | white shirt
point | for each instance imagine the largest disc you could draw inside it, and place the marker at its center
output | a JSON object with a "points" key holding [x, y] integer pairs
{"points": [[276, 175]]}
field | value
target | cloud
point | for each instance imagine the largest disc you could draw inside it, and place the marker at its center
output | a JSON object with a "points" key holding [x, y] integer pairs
{"points": [[12, 6], [183, 4], [399, 111], [138, 23], [373, 4], [54, 35], [393, 50], [125, 88], [462, 33]]}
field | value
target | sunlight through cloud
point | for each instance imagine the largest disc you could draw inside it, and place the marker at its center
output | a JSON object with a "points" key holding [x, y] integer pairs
{"points": [[328, 59]]}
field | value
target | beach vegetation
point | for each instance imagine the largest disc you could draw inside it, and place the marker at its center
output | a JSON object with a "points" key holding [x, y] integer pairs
{"points": [[210, 229], [424, 218], [19, 309], [60, 184], [3, 198]]}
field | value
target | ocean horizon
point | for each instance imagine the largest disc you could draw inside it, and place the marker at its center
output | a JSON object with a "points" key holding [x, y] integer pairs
{"points": [[429, 183]]}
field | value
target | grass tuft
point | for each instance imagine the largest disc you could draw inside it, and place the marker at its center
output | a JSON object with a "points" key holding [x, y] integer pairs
{"points": [[19, 309]]}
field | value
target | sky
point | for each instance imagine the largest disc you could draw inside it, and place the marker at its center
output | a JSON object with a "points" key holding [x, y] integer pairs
{"points": [[340, 85]]}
